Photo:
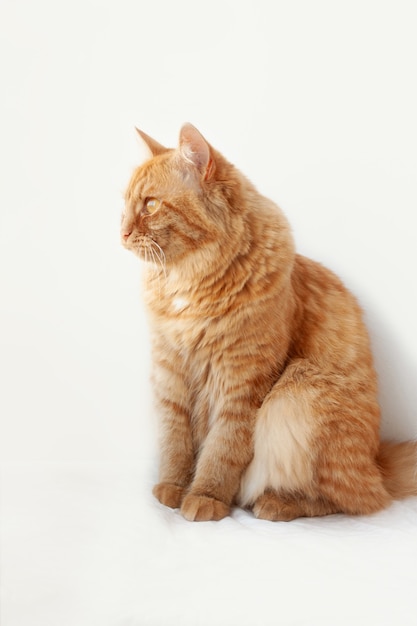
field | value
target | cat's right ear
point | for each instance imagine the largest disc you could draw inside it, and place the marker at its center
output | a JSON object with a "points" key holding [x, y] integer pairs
{"points": [[151, 147]]}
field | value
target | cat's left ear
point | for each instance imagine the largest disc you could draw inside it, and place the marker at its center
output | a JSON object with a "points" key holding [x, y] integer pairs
{"points": [[195, 149], [152, 147]]}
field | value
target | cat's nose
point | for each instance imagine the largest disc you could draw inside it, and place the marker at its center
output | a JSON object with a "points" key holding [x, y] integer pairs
{"points": [[127, 234]]}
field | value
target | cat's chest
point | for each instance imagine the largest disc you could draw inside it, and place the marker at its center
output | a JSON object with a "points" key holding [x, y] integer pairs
{"points": [[183, 328], [185, 319], [179, 313], [182, 305], [178, 303]]}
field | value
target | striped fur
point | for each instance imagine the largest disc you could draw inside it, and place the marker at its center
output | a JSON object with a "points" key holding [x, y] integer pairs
{"points": [[262, 368]]}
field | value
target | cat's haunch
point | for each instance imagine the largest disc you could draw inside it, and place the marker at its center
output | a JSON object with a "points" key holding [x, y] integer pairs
{"points": [[262, 368]]}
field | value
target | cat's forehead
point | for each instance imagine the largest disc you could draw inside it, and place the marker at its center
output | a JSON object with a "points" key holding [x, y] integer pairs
{"points": [[156, 174]]}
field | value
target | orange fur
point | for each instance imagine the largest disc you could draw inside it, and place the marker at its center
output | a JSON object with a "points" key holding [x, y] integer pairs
{"points": [[262, 367]]}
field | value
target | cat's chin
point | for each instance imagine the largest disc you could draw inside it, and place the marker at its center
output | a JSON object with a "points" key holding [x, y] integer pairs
{"points": [[140, 251]]}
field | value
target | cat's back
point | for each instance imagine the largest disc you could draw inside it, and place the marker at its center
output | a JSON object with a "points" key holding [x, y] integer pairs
{"points": [[329, 321]]}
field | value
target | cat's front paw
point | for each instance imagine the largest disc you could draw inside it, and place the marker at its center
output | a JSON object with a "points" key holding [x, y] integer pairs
{"points": [[169, 494], [203, 508]]}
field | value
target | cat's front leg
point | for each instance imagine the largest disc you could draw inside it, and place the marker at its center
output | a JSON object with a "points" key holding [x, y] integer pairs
{"points": [[197, 508], [177, 457], [177, 461], [226, 452]]}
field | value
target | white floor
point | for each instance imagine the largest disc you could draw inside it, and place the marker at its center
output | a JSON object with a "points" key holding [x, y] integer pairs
{"points": [[87, 545]]}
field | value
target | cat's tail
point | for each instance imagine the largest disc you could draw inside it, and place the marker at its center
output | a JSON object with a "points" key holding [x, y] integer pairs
{"points": [[398, 465]]}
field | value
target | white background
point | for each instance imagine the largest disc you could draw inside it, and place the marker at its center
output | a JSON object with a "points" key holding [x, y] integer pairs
{"points": [[314, 101]]}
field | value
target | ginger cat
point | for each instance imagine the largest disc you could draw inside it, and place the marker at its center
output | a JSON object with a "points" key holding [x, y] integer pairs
{"points": [[262, 366]]}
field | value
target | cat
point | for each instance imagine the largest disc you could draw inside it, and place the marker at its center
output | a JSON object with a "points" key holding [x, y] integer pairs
{"points": [[262, 366]]}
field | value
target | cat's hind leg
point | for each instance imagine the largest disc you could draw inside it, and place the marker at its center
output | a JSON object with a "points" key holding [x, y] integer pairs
{"points": [[316, 437], [284, 507], [347, 473], [284, 457]]}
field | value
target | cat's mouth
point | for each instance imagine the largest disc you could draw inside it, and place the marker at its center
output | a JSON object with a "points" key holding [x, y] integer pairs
{"points": [[146, 249]]}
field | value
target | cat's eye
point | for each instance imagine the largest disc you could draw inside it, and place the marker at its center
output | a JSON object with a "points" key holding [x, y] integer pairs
{"points": [[152, 204]]}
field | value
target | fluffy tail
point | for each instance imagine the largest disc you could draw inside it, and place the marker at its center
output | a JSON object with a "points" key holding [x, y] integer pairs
{"points": [[398, 465]]}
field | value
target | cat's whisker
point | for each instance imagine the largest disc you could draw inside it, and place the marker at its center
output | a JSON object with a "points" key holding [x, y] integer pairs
{"points": [[161, 257], [156, 261]]}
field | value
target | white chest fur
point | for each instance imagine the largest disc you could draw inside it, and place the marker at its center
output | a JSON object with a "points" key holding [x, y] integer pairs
{"points": [[179, 303]]}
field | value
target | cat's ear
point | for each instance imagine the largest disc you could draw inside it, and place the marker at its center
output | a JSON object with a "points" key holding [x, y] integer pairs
{"points": [[152, 147], [195, 149]]}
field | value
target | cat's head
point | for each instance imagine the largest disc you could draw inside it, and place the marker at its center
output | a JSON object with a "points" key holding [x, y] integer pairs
{"points": [[179, 204]]}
